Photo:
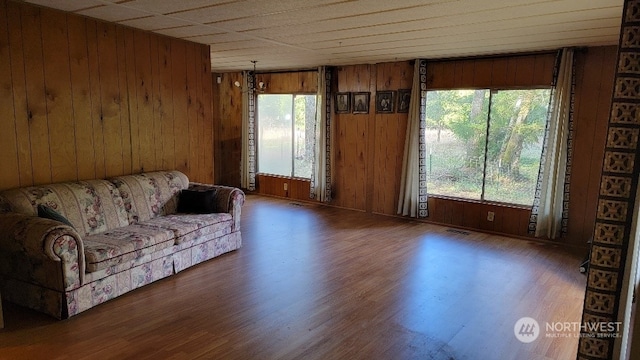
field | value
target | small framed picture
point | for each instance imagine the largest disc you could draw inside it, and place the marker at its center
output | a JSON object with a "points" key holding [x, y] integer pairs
{"points": [[384, 102], [343, 103], [404, 96], [360, 102]]}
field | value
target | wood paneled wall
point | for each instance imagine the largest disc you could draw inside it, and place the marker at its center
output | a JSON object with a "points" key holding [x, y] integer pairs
{"points": [[369, 147], [228, 121], [595, 70], [228, 118], [512, 71], [85, 99]]}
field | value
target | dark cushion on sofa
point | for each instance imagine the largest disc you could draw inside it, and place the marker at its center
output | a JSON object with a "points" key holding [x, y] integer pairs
{"points": [[48, 213], [197, 201]]}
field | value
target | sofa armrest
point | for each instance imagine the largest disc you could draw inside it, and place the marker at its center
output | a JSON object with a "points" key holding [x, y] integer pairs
{"points": [[228, 199], [32, 246]]}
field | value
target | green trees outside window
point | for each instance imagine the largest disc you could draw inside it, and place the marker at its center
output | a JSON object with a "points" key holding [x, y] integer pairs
{"points": [[286, 125], [485, 144]]}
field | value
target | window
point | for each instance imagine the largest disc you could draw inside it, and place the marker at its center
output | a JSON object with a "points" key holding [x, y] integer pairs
{"points": [[485, 144], [286, 125]]}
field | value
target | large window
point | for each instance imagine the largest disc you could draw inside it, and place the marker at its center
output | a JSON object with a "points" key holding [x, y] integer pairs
{"points": [[285, 134], [485, 144]]}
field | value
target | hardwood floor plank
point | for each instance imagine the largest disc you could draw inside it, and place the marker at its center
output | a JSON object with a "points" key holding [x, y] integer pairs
{"points": [[315, 282]]}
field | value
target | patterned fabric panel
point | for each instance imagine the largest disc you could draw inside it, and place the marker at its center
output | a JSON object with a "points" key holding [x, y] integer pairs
{"points": [[41, 251], [35, 297], [190, 226], [125, 244], [211, 248], [152, 194], [203, 234], [118, 284], [115, 269], [92, 207]]}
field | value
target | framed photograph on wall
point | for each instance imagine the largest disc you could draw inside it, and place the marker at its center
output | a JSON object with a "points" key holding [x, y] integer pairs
{"points": [[384, 102], [360, 102], [343, 103], [404, 96]]}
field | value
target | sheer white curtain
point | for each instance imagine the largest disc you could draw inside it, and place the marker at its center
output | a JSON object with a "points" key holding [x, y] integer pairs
{"points": [[248, 154], [551, 186], [412, 200], [321, 170]]}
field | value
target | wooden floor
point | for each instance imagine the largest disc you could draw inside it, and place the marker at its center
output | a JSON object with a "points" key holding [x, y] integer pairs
{"points": [[314, 282]]}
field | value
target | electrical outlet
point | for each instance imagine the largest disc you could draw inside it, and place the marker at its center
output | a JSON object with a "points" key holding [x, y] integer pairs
{"points": [[286, 186], [491, 215]]}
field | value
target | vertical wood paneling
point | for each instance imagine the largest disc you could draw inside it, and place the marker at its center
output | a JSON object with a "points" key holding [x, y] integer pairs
{"points": [[81, 98], [389, 136], [78, 99], [36, 97], [595, 68], [193, 138], [482, 73], [289, 82], [96, 99], [10, 173], [132, 97], [123, 101], [525, 71], [200, 113], [367, 153], [468, 72], [206, 95], [156, 123], [57, 77], [167, 152], [229, 130], [143, 127], [498, 71], [110, 95], [180, 101], [19, 89]]}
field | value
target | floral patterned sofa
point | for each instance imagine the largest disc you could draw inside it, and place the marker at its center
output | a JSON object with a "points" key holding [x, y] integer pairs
{"points": [[126, 233]]}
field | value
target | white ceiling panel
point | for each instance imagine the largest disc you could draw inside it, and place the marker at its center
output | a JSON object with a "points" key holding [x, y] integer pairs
{"points": [[113, 13], [189, 31], [68, 5], [155, 23], [172, 6], [294, 34]]}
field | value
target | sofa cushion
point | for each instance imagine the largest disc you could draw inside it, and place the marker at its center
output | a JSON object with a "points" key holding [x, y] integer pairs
{"points": [[125, 244], [92, 207], [48, 213], [187, 227], [197, 201], [151, 194]]}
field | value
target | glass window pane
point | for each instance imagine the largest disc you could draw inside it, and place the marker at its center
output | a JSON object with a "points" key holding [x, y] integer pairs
{"points": [[456, 136], [304, 127], [516, 133], [274, 134]]}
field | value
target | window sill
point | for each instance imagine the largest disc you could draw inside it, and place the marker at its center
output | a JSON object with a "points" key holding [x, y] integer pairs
{"points": [[483, 202], [284, 177]]}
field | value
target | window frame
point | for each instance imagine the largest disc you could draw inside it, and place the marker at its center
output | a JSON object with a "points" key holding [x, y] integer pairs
{"points": [[256, 137], [492, 90]]}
